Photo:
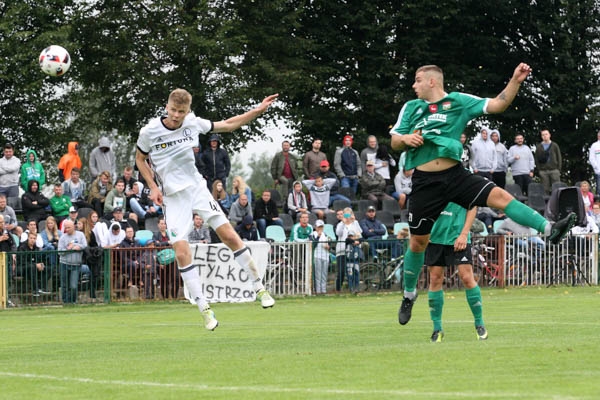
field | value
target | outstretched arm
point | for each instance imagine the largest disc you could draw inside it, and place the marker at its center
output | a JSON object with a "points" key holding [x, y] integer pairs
{"points": [[506, 97], [234, 123]]}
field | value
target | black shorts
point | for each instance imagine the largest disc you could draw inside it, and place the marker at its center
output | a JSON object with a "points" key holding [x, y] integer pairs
{"points": [[440, 255], [432, 191]]}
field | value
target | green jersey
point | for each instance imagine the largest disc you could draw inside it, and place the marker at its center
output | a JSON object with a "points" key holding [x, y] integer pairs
{"points": [[440, 124], [449, 224]]}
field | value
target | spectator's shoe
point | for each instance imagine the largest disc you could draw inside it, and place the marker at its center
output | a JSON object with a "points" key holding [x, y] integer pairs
{"points": [[42, 291], [35, 294], [210, 322], [405, 311], [265, 298], [437, 336], [562, 227], [481, 332], [10, 303]]}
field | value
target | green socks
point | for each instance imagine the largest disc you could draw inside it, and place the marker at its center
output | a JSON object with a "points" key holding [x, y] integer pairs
{"points": [[474, 300], [436, 305], [413, 262], [524, 215]]}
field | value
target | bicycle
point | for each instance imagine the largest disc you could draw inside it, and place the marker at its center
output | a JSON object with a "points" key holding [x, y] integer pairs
{"points": [[280, 276], [382, 274]]}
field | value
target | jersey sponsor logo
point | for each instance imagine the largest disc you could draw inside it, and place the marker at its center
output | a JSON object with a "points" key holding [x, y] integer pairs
{"points": [[172, 143], [433, 108], [446, 105], [448, 213], [437, 117]]}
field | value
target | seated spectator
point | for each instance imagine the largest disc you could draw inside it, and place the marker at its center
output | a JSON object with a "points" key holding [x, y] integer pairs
{"points": [[71, 245], [510, 227], [372, 185], [239, 209], [320, 191], [32, 228], [50, 235], [321, 256], [30, 265], [115, 236], [301, 231], [98, 228], [74, 188], [141, 204], [239, 187], [326, 173], [118, 216], [73, 216], [7, 244], [99, 189], [60, 204], [296, 201], [373, 230], [403, 183], [129, 181], [32, 170], [169, 276], [266, 213], [199, 233], [129, 258], [488, 215], [116, 198], [34, 203], [596, 213], [221, 196], [246, 229], [10, 217]]}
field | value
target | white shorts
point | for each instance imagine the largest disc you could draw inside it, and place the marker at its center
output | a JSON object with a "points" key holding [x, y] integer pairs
{"points": [[179, 209]]}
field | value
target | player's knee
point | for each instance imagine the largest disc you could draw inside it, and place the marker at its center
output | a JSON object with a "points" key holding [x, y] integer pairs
{"points": [[418, 243]]}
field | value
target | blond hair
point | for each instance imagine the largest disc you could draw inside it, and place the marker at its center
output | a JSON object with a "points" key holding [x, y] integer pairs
{"points": [[180, 97]]}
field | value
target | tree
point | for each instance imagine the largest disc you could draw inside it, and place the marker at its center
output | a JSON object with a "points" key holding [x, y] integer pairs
{"points": [[260, 178]]}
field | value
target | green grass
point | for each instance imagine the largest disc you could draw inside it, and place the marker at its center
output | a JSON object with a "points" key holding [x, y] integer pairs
{"points": [[543, 344]]}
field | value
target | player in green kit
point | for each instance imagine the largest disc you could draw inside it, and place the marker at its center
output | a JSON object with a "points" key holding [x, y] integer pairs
{"points": [[450, 245], [429, 128]]}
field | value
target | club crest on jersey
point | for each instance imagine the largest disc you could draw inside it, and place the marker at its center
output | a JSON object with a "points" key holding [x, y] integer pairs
{"points": [[446, 105], [433, 108]]}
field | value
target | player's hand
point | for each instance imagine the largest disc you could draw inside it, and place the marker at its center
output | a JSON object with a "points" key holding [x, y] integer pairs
{"points": [[156, 196], [461, 242], [521, 72], [413, 140], [266, 103]]}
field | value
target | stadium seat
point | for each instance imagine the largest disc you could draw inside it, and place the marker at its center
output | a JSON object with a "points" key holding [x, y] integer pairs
{"points": [[143, 236], [329, 230], [515, 191], [288, 222], [341, 204], [276, 233], [363, 204], [331, 218], [496, 225], [386, 218], [392, 206], [151, 224], [398, 226], [83, 212]]}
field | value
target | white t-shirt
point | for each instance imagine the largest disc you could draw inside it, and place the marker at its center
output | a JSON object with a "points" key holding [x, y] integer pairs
{"points": [[171, 151]]}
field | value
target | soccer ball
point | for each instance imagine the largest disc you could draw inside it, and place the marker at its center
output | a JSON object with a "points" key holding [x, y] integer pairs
{"points": [[55, 60]]}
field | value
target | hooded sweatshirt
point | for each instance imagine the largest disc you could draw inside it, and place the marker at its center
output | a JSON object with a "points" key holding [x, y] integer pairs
{"points": [[501, 153], [9, 171], [69, 161], [484, 154], [32, 170], [102, 160], [216, 163]]}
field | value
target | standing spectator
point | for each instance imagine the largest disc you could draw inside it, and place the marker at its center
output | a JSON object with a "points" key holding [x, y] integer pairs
{"points": [[373, 231], [372, 185], [499, 173], [239, 209], [102, 158], [284, 169], [238, 187], [594, 159], [296, 201], [321, 256], [467, 154], [216, 162], [596, 213], [71, 245], [101, 187], [32, 169], [383, 162], [340, 251], [74, 188], [129, 182], [199, 233], [588, 196], [7, 243], [347, 164], [548, 160], [69, 161], [9, 172], [266, 213], [200, 167], [369, 152], [10, 217], [302, 229], [30, 264], [92, 254], [60, 204], [34, 203], [484, 155], [326, 173], [246, 229], [349, 235], [320, 193], [312, 159], [522, 164]]}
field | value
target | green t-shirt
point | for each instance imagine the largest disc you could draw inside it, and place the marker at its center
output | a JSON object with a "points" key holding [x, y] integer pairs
{"points": [[449, 224], [440, 124]]}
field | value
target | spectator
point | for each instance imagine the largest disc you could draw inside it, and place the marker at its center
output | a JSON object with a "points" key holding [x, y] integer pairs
{"points": [[60, 204], [115, 235], [73, 216], [320, 193], [34, 203], [141, 204], [499, 173], [100, 188], [199, 233], [548, 160], [129, 182], [373, 231], [102, 158], [116, 198], [596, 213], [246, 229], [9, 172], [168, 274], [119, 217], [32, 169], [7, 244], [69, 161], [588, 196], [75, 189], [326, 173], [10, 217], [347, 164], [221, 196], [321, 257], [484, 155], [372, 185], [216, 162], [488, 216], [296, 201], [313, 159], [467, 153], [402, 183], [340, 251], [239, 209], [369, 152], [129, 258], [594, 159], [349, 235], [238, 187], [510, 227], [50, 236], [200, 167], [71, 245], [301, 231], [383, 162], [522, 164], [98, 228], [266, 213], [284, 169], [30, 264], [32, 228]]}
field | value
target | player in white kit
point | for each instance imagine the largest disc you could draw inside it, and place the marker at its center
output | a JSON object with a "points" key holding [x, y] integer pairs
{"points": [[168, 143]]}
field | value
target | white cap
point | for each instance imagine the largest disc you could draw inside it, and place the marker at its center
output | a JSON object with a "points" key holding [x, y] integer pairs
{"points": [[319, 222]]}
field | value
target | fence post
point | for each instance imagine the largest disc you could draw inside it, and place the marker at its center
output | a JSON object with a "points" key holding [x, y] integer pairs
{"points": [[3, 281], [107, 275]]}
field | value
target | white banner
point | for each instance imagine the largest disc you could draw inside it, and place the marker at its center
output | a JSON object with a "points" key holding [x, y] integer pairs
{"points": [[223, 280]]}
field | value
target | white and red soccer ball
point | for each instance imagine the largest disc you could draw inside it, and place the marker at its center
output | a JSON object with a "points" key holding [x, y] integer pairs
{"points": [[55, 60]]}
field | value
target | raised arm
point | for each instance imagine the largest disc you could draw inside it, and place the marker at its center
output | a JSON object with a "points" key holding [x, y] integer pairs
{"points": [[506, 97], [234, 123]]}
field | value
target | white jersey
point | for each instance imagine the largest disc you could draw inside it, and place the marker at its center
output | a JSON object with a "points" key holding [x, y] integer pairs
{"points": [[171, 151]]}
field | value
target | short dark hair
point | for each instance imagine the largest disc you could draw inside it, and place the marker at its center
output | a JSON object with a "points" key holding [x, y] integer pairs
{"points": [[8, 146]]}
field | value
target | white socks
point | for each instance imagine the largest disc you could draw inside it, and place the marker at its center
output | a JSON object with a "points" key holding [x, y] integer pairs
{"points": [[194, 286]]}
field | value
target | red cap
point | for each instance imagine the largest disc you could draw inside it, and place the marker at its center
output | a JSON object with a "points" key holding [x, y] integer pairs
{"points": [[348, 137], [324, 163]]}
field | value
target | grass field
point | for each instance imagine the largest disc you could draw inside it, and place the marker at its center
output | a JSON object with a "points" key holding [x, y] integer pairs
{"points": [[544, 344]]}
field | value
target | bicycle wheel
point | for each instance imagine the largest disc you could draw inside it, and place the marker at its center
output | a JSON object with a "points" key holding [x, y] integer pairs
{"points": [[371, 277], [395, 278]]}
